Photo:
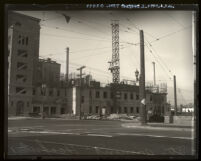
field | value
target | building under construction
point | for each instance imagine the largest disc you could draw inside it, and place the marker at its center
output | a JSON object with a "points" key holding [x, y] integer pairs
{"points": [[27, 73]]}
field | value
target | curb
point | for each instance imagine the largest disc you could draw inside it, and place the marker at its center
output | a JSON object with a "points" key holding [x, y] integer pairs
{"points": [[157, 128]]}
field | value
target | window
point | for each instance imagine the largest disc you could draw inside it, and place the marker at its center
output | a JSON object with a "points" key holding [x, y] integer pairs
{"points": [[131, 110], [119, 109], [33, 92], [112, 110], [27, 40], [21, 65], [137, 109], [137, 96], [20, 90], [62, 110], [104, 94], [82, 99], [90, 93], [131, 96], [36, 109], [111, 95], [20, 78], [125, 96], [150, 97], [90, 109], [97, 109], [46, 109], [97, 94], [125, 109], [22, 53], [19, 39], [53, 110], [50, 92], [23, 41], [58, 93]]}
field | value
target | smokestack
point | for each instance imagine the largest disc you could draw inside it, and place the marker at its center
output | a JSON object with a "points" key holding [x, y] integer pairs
{"points": [[175, 95], [154, 73], [67, 63], [142, 79]]}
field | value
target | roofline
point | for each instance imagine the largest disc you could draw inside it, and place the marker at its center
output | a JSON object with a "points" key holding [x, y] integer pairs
{"points": [[20, 14]]}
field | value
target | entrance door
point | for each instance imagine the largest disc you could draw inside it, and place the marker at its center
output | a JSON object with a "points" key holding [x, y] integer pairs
{"points": [[20, 108]]}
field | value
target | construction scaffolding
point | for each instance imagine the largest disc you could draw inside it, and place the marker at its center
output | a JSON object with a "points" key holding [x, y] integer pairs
{"points": [[114, 64]]}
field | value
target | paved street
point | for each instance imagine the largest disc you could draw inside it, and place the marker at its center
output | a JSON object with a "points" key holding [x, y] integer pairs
{"points": [[93, 137]]}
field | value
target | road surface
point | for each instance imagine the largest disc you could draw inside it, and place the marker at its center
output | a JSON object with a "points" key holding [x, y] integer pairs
{"points": [[93, 137]]}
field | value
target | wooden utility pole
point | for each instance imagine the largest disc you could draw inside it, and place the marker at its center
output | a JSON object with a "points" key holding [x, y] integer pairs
{"points": [[175, 96], [154, 73], [142, 80], [67, 64], [80, 75]]}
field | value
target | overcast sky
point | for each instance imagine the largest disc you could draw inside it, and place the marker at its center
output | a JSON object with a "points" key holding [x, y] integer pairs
{"points": [[167, 34]]}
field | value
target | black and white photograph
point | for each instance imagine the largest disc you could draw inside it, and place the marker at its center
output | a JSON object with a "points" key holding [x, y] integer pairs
{"points": [[101, 82]]}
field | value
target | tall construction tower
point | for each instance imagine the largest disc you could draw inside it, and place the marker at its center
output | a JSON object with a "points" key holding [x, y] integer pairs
{"points": [[114, 64]]}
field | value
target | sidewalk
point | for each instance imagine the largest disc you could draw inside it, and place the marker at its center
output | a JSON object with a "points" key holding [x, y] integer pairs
{"points": [[158, 126]]}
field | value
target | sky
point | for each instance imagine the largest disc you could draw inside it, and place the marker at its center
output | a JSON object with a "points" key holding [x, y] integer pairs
{"points": [[88, 34]]}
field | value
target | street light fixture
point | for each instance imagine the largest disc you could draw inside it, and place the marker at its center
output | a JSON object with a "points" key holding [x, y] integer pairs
{"points": [[137, 75]]}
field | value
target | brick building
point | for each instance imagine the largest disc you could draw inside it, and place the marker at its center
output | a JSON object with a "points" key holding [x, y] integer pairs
{"points": [[23, 53], [48, 71], [95, 98], [26, 74]]}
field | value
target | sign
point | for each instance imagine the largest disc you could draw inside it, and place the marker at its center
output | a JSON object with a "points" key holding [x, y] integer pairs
{"points": [[143, 101]]}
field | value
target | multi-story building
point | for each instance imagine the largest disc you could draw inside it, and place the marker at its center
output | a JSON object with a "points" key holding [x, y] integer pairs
{"points": [[48, 72], [23, 53], [95, 99], [27, 73]]}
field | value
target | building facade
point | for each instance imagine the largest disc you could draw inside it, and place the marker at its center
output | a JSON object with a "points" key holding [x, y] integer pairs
{"points": [[95, 99], [48, 71], [27, 73], [23, 52]]}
